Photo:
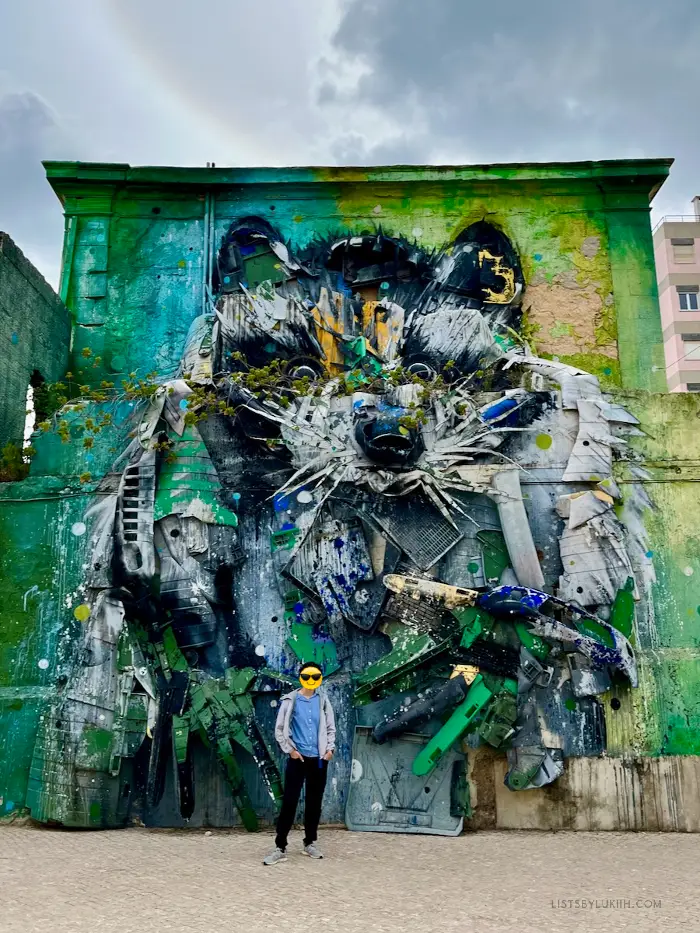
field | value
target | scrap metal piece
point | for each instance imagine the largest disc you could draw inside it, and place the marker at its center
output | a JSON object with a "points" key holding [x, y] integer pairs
{"points": [[386, 797], [433, 702], [516, 528], [451, 597], [532, 766], [417, 527], [459, 722], [586, 680]]}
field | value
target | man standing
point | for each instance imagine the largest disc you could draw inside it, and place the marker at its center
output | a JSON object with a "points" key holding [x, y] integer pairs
{"points": [[305, 731]]}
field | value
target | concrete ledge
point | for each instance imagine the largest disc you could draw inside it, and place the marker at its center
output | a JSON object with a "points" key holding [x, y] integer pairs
{"points": [[593, 794]]}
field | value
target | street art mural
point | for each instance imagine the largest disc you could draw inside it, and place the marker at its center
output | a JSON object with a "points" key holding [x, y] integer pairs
{"points": [[345, 437]]}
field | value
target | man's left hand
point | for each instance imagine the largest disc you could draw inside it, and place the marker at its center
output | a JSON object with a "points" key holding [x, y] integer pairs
{"points": [[328, 756]]}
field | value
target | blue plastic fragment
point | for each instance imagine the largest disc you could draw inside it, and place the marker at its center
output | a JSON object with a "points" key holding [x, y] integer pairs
{"points": [[499, 408]]}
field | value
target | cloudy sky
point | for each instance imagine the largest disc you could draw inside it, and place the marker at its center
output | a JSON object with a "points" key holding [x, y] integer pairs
{"points": [[273, 82]]}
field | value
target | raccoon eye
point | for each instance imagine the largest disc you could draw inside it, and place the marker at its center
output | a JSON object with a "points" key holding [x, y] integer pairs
{"points": [[422, 370]]}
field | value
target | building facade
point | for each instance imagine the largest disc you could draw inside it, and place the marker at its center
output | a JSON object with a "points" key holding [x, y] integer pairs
{"points": [[677, 256], [291, 393]]}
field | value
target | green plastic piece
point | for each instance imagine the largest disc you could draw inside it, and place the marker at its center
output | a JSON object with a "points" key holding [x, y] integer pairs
{"points": [[497, 723], [175, 658], [262, 267], [186, 474], [292, 598], [410, 649], [494, 553], [284, 540], [589, 627], [472, 621], [309, 646], [519, 780], [239, 679], [622, 613], [455, 727], [537, 647], [181, 735]]}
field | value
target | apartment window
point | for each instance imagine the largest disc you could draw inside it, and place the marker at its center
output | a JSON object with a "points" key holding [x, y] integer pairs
{"points": [[683, 249], [691, 346], [693, 386], [688, 297]]}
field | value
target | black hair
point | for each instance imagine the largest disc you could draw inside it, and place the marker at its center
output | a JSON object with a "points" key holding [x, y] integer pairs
{"points": [[310, 664]]}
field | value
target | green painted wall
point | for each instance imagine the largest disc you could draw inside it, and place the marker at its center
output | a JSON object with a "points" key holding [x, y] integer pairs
{"points": [[133, 280]]}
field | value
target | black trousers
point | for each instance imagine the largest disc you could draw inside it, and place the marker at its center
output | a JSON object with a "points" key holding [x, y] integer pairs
{"points": [[314, 772]]}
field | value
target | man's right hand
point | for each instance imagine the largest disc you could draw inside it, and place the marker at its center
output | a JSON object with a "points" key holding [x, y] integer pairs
{"points": [[295, 754]]}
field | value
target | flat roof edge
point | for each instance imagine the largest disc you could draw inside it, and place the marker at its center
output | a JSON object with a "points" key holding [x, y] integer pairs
{"points": [[61, 172]]}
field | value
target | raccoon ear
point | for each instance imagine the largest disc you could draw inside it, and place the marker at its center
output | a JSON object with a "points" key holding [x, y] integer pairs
{"points": [[252, 251], [483, 265]]}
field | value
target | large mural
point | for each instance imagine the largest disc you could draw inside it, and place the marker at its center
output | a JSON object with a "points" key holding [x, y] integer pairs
{"points": [[370, 410]]}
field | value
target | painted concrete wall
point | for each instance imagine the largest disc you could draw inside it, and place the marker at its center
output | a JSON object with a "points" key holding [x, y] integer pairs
{"points": [[34, 336], [133, 277]]}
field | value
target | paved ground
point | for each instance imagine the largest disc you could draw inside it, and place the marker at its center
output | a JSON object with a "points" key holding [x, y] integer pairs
{"points": [[141, 881]]}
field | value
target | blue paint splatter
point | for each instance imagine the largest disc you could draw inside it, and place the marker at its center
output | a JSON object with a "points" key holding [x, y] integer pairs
{"points": [[184, 404], [14, 338], [537, 257], [649, 554], [339, 544]]}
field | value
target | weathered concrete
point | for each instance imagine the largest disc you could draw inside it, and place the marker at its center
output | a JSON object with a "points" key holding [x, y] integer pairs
{"points": [[138, 881], [34, 335], [638, 794]]}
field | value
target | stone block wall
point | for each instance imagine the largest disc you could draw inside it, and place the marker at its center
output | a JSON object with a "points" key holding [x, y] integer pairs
{"points": [[34, 336]]}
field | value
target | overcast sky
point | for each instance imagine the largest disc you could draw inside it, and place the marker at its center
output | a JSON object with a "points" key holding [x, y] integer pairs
{"points": [[274, 82]]}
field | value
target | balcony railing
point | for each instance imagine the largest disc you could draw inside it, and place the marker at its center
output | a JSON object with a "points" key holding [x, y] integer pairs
{"points": [[677, 218]]}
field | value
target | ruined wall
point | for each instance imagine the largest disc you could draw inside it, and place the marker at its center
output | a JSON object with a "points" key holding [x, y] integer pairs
{"points": [[138, 253], [34, 336]]}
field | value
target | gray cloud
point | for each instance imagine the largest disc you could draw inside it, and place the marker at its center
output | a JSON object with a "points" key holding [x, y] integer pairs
{"points": [[339, 81], [542, 80], [29, 212]]}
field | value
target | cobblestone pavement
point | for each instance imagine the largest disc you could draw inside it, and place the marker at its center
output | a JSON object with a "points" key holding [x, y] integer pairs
{"points": [[142, 881]]}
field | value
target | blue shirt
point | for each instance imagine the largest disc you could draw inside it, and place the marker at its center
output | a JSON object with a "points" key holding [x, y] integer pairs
{"points": [[306, 717]]}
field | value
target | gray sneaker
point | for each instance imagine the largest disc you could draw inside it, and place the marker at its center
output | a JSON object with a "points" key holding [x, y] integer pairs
{"points": [[278, 855], [312, 850]]}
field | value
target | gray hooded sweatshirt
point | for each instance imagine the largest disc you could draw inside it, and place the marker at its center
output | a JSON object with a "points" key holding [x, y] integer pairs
{"points": [[326, 723]]}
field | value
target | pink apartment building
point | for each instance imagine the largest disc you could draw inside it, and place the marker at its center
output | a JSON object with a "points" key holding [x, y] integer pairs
{"points": [[677, 254]]}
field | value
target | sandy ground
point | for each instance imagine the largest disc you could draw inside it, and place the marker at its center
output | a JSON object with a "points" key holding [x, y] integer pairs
{"points": [[139, 881]]}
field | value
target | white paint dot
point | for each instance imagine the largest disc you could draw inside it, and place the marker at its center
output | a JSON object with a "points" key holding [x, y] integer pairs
{"points": [[355, 771], [417, 232], [377, 209], [78, 528], [101, 716], [260, 651], [305, 497], [273, 704], [43, 664], [688, 571]]}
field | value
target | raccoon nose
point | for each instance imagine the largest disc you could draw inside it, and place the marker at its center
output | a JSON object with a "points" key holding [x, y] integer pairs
{"points": [[385, 440]]}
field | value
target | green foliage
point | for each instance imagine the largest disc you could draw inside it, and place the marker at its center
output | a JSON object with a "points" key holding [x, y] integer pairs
{"points": [[15, 462]]}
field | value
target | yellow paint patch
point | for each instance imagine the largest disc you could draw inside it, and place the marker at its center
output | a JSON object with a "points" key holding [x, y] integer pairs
{"points": [[82, 612]]}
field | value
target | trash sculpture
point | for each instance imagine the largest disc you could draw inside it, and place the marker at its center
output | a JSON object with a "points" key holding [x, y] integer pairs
{"points": [[378, 400]]}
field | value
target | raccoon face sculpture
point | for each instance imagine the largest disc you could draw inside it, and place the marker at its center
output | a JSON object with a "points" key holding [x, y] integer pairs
{"points": [[387, 358]]}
